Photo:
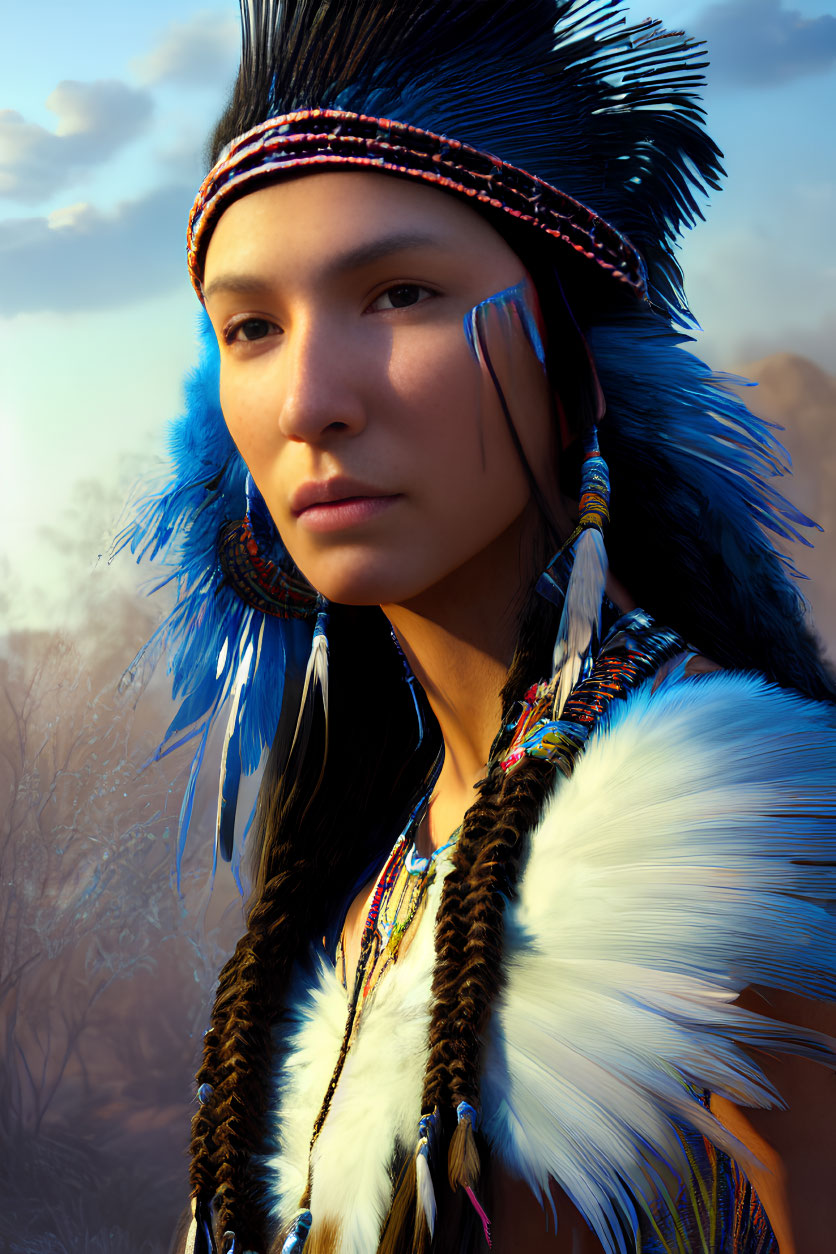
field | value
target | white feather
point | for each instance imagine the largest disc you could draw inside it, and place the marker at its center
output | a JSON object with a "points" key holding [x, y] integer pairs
{"points": [[191, 1236], [581, 612], [671, 870], [316, 672], [425, 1190]]}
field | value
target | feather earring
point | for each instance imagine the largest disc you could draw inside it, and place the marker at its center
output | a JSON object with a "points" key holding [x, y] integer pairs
{"points": [[580, 621], [316, 674]]}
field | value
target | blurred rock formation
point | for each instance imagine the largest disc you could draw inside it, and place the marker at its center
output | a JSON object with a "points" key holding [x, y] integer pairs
{"points": [[800, 396]]}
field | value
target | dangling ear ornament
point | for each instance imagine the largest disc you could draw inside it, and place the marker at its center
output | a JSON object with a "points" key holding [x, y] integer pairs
{"points": [[580, 621], [316, 673], [255, 564]]}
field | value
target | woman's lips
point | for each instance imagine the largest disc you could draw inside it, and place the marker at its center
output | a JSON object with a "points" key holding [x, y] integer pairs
{"points": [[348, 512]]}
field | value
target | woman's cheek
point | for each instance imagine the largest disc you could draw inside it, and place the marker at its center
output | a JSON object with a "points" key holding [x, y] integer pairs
{"points": [[247, 417]]}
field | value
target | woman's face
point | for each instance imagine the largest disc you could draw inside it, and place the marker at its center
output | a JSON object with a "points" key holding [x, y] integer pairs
{"points": [[376, 440]]}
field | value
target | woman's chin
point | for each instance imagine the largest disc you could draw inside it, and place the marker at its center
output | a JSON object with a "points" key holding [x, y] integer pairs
{"points": [[368, 587]]}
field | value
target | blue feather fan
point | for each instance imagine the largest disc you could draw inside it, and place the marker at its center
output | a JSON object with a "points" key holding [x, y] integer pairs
{"points": [[210, 630]]}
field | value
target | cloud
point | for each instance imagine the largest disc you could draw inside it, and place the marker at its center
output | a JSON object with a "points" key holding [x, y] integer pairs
{"points": [[80, 258], [95, 120], [756, 294], [760, 43], [200, 52]]}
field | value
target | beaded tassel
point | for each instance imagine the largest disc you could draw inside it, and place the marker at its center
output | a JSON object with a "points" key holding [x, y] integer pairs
{"points": [[463, 1161], [425, 1209], [295, 1240], [580, 622]]}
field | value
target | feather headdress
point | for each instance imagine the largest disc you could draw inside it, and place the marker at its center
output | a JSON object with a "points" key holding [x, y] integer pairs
{"points": [[561, 89]]}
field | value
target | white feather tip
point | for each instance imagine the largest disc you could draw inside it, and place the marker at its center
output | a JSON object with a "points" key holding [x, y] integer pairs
{"points": [[425, 1190], [581, 617]]}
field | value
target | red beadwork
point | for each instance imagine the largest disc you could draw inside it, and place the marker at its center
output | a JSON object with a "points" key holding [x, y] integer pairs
{"points": [[324, 137]]}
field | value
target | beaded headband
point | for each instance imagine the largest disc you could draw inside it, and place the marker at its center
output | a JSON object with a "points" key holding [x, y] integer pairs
{"points": [[314, 138]]}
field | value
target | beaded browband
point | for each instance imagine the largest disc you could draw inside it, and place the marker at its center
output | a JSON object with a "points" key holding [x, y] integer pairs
{"points": [[314, 138]]}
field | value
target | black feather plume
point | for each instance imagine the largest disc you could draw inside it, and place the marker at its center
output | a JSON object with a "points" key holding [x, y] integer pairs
{"points": [[565, 89]]}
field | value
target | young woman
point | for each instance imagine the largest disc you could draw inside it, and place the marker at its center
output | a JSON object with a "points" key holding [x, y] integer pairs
{"points": [[536, 877]]}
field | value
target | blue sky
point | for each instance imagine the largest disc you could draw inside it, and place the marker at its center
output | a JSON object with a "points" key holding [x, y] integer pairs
{"points": [[104, 109]]}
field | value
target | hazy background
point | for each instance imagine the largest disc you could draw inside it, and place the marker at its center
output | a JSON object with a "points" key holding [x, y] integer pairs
{"points": [[105, 972]]}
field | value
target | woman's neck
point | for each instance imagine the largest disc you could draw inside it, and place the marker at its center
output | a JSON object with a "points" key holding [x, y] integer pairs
{"points": [[459, 638]]}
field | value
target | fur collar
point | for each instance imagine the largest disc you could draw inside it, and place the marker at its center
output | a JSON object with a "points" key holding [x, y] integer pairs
{"points": [[681, 862]]}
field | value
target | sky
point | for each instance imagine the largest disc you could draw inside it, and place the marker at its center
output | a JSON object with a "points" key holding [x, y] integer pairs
{"points": [[104, 112]]}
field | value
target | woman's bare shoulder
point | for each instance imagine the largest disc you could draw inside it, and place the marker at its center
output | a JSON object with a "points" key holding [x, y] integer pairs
{"points": [[691, 663], [792, 1144]]}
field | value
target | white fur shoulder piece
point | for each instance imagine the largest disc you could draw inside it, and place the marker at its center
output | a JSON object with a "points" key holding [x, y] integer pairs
{"points": [[681, 862], [665, 877]]}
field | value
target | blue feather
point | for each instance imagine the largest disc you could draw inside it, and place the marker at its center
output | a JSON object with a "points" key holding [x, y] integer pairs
{"points": [[209, 629]]}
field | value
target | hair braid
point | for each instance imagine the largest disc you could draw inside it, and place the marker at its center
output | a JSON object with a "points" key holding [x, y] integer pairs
{"points": [[201, 1171], [275, 935], [229, 1127], [492, 880], [469, 932], [451, 936]]}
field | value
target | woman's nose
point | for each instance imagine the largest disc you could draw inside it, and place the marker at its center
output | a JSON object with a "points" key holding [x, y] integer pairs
{"points": [[322, 386]]}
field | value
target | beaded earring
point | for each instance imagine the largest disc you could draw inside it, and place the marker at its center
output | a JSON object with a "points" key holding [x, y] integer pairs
{"points": [[258, 567], [580, 620]]}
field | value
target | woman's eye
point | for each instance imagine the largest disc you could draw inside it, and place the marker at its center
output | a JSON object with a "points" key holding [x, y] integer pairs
{"points": [[248, 329], [401, 296]]}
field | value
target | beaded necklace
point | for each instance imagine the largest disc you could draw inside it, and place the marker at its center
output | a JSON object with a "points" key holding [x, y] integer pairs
{"points": [[399, 897]]}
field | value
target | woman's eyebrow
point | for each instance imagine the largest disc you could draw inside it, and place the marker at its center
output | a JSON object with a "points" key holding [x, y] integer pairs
{"points": [[237, 284], [383, 246], [353, 259]]}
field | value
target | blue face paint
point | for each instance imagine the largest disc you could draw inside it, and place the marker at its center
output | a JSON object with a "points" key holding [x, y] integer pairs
{"points": [[516, 309]]}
